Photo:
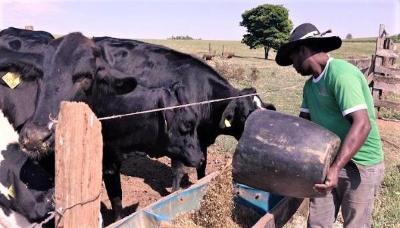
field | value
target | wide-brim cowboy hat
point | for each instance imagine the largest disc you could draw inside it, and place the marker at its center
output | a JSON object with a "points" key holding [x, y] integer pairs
{"points": [[306, 34]]}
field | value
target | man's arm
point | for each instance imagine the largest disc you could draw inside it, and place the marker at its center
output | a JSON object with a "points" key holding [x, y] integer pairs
{"points": [[355, 138]]}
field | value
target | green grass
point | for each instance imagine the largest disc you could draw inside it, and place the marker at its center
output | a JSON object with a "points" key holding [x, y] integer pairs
{"points": [[387, 207], [390, 113], [355, 50]]}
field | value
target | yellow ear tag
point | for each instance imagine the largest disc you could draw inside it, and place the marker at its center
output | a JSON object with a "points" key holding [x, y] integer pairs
{"points": [[7, 192], [12, 79], [227, 123], [11, 191]]}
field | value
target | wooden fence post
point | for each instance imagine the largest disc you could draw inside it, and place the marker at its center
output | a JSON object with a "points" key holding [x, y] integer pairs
{"points": [[79, 153]]}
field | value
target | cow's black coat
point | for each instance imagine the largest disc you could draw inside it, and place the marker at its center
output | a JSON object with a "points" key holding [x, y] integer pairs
{"points": [[22, 52]]}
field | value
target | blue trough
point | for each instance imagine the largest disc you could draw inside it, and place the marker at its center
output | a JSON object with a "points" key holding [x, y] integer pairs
{"points": [[274, 210]]}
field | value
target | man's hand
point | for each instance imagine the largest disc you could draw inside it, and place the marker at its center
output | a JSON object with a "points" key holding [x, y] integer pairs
{"points": [[331, 181]]}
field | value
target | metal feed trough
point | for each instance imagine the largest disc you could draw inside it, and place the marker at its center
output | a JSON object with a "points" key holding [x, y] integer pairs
{"points": [[274, 210]]}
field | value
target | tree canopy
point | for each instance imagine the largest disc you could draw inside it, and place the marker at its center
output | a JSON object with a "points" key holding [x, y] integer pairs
{"points": [[267, 26], [349, 36]]}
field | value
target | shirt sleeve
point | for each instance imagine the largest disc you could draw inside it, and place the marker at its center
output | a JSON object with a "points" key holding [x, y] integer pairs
{"points": [[347, 89], [304, 105]]}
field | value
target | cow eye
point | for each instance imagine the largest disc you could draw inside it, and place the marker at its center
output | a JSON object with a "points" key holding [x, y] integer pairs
{"points": [[186, 127]]}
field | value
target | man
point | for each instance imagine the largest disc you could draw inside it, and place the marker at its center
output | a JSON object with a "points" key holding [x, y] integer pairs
{"points": [[337, 97]]}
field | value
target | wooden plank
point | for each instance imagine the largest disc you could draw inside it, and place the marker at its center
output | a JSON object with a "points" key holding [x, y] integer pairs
{"points": [[378, 69], [387, 79], [387, 53], [387, 104], [381, 37], [78, 157], [361, 63], [388, 84], [280, 214], [370, 78]]}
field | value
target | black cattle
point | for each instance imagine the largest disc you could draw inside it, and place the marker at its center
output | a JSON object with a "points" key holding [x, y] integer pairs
{"points": [[21, 53], [77, 72], [151, 66], [25, 186], [18, 104], [155, 65]]}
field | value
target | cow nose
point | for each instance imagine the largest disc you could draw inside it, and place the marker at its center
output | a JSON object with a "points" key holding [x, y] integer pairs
{"points": [[34, 138]]}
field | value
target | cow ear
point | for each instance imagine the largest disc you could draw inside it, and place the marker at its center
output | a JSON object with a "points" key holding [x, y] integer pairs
{"points": [[124, 85], [26, 64], [269, 106], [120, 82], [167, 115], [228, 116]]}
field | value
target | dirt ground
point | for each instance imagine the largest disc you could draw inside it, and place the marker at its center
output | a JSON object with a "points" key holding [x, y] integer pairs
{"points": [[145, 180]]}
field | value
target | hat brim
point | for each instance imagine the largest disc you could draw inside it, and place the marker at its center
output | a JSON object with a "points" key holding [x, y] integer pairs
{"points": [[325, 43]]}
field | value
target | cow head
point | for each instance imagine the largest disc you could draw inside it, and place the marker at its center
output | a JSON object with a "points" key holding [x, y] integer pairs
{"points": [[20, 73], [72, 70], [18, 92], [182, 130], [183, 141], [236, 113]]}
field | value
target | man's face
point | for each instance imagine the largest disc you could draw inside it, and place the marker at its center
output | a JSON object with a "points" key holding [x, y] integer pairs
{"points": [[301, 58]]}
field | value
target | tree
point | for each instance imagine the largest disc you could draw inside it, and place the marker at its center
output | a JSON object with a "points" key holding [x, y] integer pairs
{"points": [[349, 36], [267, 26]]}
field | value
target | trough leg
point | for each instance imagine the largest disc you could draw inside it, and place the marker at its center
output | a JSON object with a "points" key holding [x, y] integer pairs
{"points": [[112, 181], [178, 170]]}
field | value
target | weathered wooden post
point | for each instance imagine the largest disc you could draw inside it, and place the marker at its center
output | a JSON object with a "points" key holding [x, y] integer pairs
{"points": [[78, 158]]}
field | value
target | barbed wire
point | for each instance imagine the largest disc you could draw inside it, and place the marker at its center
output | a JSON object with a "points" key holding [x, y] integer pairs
{"points": [[61, 211]]}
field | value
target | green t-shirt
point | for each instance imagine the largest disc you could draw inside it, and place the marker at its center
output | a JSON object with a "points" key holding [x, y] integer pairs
{"points": [[339, 90]]}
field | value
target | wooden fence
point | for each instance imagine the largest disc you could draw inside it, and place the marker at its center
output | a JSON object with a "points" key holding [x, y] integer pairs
{"points": [[79, 152]]}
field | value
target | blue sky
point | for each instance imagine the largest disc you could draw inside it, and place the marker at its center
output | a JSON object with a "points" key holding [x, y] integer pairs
{"points": [[206, 19]]}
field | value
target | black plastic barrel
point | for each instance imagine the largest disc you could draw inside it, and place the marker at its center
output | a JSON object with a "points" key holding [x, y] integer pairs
{"points": [[283, 154]]}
